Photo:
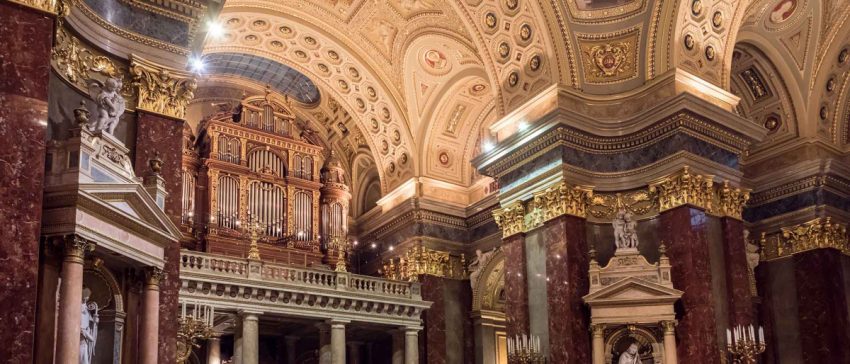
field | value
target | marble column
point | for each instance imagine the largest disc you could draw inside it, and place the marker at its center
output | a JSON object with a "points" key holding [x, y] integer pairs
{"points": [[250, 338], [598, 333], [214, 349], [25, 44], [324, 343], [824, 326], [684, 230], [291, 353], [163, 135], [737, 273], [149, 323], [567, 267], [70, 299], [433, 289], [411, 345], [398, 347], [337, 328], [670, 356], [354, 352], [516, 285]]}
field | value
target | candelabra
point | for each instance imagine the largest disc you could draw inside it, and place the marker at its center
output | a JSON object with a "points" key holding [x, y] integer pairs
{"points": [[743, 344], [196, 324], [525, 349]]}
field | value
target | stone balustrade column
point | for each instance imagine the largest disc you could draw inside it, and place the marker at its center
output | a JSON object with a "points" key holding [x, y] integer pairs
{"points": [[337, 341], [411, 345], [250, 338], [149, 325], [70, 299], [214, 349], [598, 331], [291, 349], [670, 356]]}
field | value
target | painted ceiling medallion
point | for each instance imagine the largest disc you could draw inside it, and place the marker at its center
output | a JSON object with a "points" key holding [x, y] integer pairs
{"points": [[391, 167], [710, 53], [534, 62], [513, 79], [504, 50], [609, 59], [385, 113], [525, 32], [323, 68], [333, 55], [371, 92], [310, 41], [444, 158], [301, 54], [354, 73], [478, 89], [783, 10], [490, 20], [435, 60], [696, 7], [830, 85], [276, 44], [824, 113], [374, 124], [689, 41], [403, 159], [717, 19], [286, 31], [512, 4], [771, 123]]}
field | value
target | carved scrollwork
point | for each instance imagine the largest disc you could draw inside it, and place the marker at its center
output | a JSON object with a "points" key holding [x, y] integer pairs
{"points": [[511, 219], [605, 206], [81, 65], [684, 188], [820, 233], [162, 91], [563, 199], [731, 201]]}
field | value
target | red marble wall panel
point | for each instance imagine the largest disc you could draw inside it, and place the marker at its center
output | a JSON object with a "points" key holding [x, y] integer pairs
{"points": [[433, 289], [26, 37], [822, 306], [737, 273], [154, 134], [684, 231], [766, 312], [566, 270], [516, 285]]}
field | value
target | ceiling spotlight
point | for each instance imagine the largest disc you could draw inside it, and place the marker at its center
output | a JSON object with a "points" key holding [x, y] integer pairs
{"points": [[488, 146], [197, 64], [215, 29], [522, 126], [373, 246]]}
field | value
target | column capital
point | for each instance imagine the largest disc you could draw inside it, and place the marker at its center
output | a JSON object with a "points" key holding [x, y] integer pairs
{"points": [[153, 277], [669, 326], [249, 315], [337, 323], [76, 247], [598, 329], [162, 90]]}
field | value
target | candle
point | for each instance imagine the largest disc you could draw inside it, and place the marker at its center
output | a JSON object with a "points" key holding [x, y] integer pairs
{"points": [[728, 337], [761, 334]]}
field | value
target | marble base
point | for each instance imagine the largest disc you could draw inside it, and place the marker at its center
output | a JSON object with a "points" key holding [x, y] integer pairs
{"points": [[25, 46], [567, 265], [516, 286]]}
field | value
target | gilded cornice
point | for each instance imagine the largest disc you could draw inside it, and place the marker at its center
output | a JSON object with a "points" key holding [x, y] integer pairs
{"points": [[684, 188], [80, 64], [511, 219], [162, 90], [420, 260], [562, 199], [47, 6], [820, 233]]}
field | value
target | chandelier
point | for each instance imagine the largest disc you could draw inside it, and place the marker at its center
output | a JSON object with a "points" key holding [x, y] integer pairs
{"points": [[525, 349]]}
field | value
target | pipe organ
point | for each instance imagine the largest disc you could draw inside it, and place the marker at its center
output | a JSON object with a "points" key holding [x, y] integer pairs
{"points": [[253, 173]]}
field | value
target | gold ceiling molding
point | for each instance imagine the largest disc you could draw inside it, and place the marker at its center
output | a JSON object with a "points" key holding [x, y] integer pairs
{"points": [[820, 233], [162, 90], [420, 260], [81, 65], [610, 58]]}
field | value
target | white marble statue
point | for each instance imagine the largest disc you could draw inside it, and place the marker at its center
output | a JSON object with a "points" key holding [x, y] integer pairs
{"points": [[625, 231], [477, 264], [88, 328], [753, 255], [630, 356], [110, 105]]}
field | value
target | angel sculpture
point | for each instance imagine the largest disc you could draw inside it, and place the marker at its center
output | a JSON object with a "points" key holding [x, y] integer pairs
{"points": [[110, 105]]}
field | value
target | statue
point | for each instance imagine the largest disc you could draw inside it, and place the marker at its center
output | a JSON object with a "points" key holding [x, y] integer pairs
{"points": [[477, 264], [753, 255], [110, 105], [625, 231], [630, 356], [88, 328]]}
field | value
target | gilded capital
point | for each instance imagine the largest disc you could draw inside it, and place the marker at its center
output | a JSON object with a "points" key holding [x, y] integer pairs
{"points": [[598, 330], [75, 248], [153, 277], [420, 260], [511, 219], [162, 90], [684, 188], [49, 6], [820, 233], [563, 199], [668, 326], [731, 200]]}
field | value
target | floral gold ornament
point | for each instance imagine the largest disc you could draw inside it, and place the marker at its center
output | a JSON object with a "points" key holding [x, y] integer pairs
{"points": [[820, 233], [731, 200], [710, 53], [504, 50], [513, 79], [511, 219], [771, 123], [689, 41], [160, 90], [606, 205], [525, 32], [490, 20], [684, 188], [420, 260], [534, 63], [562, 199], [609, 58], [80, 65]]}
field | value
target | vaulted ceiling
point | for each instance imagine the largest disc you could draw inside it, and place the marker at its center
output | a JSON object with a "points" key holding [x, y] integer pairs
{"points": [[417, 82]]}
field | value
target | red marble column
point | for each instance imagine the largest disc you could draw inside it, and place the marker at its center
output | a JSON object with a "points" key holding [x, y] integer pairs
{"points": [[684, 231], [516, 285], [70, 298], [822, 306], [48, 283], [149, 323], [164, 135], [25, 43], [567, 264], [433, 289], [737, 273]]}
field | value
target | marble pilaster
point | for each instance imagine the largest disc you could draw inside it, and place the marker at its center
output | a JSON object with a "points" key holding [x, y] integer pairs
{"points": [[25, 44], [737, 273], [822, 306], [567, 282], [684, 230], [516, 285], [411, 345], [433, 289]]}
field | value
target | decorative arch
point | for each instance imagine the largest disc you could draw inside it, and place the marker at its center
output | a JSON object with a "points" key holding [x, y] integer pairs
{"points": [[488, 292]]}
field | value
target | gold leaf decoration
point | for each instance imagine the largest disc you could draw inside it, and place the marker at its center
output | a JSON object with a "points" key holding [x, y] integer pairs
{"points": [[684, 188], [511, 219], [820, 233], [563, 199], [162, 90]]}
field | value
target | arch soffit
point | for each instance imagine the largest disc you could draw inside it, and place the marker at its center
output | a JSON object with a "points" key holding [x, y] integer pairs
{"points": [[490, 282]]}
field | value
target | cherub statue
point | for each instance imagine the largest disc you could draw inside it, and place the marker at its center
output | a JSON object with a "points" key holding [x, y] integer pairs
{"points": [[110, 105]]}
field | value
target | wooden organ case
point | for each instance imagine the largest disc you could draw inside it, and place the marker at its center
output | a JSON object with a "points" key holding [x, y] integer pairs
{"points": [[247, 170]]}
